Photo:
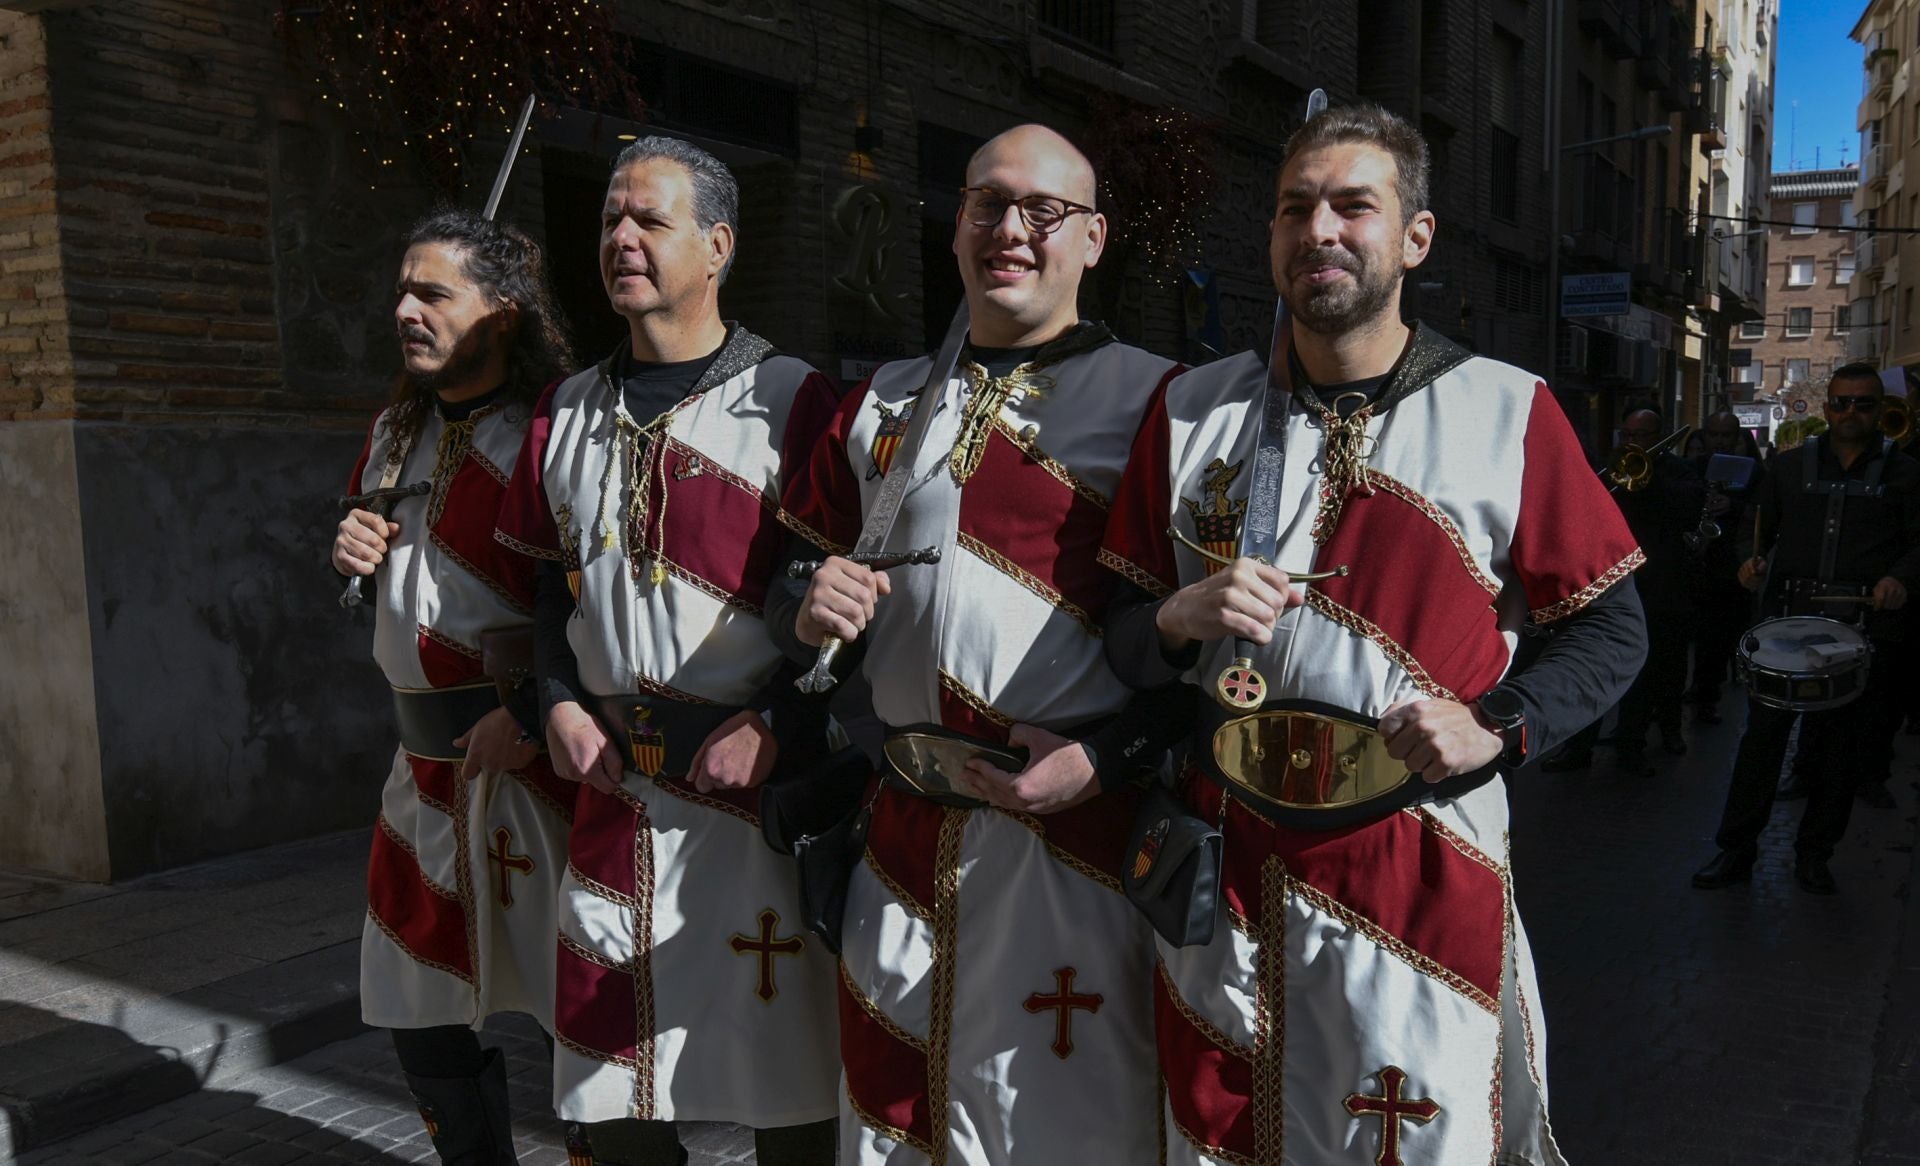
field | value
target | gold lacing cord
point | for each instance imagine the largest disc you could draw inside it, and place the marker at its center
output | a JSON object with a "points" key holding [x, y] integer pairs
{"points": [[1347, 449], [982, 409], [641, 451], [456, 441]]}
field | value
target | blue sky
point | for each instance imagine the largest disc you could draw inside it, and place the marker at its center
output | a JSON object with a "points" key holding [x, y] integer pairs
{"points": [[1821, 69]]}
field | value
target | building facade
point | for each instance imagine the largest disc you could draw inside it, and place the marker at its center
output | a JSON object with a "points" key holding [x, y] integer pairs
{"points": [[1885, 330], [1808, 324]]}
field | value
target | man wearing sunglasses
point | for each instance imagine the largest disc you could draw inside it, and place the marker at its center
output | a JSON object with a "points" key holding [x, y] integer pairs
{"points": [[1839, 520], [995, 1005]]}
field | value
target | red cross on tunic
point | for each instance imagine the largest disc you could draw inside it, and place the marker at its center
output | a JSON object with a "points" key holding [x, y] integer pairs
{"points": [[1391, 1111], [502, 856], [767, 947], [1063, 1001]]}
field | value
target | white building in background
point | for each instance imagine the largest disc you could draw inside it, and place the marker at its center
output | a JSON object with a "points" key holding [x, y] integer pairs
{"points": [[1738, 38]]}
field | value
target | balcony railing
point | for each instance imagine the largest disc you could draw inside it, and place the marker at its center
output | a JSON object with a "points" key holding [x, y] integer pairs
{"points": [[1873, 164], [1863, 340], [1708, 116], [1868, 252]]}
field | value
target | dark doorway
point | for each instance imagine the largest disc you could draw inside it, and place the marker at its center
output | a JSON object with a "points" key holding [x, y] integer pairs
{"points": [[944, 154], [574, 184]]}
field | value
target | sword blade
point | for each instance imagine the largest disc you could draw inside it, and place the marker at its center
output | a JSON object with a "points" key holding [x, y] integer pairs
{"points": [[506, 163], [906, 458]]}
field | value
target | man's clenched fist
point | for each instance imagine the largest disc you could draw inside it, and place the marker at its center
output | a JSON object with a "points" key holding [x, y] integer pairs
{"points": [[361, 542], [840, 601], [1242, 602]]}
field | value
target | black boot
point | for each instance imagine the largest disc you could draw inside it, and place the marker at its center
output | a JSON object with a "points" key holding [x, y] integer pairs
{"points": [[813, 1144], [467, 1117], [1727, 868], [1813, 876], [625, 1142]]}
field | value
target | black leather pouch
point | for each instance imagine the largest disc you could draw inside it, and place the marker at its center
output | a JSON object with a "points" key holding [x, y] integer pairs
{"points": [[1173, 868], [826, 862]]}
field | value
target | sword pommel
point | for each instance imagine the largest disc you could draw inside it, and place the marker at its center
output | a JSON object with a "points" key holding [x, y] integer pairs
{"points": [[381, 502], [819, 678]]}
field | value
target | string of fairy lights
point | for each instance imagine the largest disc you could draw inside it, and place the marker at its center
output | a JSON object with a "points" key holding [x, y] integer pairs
{"points": [[1157, 177], [426, 77]]}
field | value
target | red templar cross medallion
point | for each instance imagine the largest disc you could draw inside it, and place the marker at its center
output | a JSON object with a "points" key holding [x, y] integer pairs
{"points": [[1063, 1002], [767, 947], [1392, 1110], [502, 856]]}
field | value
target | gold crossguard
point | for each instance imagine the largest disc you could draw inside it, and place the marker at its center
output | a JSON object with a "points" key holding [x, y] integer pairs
{"points": [[1296, 576]]}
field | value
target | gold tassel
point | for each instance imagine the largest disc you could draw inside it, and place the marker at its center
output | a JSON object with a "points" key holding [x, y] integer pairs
{"points": [[659, 573]]}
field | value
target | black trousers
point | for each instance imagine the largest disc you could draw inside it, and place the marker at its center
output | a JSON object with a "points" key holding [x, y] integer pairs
{"points": [[1658, 691], [1845, 746], [1723, 614]]}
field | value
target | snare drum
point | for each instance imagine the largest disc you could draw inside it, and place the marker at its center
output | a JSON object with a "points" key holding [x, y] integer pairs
{"points": [[1804, 663]]}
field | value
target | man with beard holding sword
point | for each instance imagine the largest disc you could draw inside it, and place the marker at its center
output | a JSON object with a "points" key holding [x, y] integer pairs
{"points": [[1369, 995], [473, 825], [994, 987], [687, 988]]}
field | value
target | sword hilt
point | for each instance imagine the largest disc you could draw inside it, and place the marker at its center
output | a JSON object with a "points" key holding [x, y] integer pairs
{"points": [[820, 677], [350, 598]]}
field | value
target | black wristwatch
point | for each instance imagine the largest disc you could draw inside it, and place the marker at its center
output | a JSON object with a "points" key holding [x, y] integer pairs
{"points": [[1509, 716]]}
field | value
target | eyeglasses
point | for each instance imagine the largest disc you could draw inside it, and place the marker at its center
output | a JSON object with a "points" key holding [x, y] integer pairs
{"points": [[1042, 213], [1844, 404]]}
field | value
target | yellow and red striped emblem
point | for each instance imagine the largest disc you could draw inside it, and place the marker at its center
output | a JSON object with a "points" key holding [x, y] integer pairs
{"points": [[649, 747], [886, 441]]}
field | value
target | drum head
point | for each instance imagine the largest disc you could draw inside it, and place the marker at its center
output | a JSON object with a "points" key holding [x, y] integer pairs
{"points": [[1804, 644]]}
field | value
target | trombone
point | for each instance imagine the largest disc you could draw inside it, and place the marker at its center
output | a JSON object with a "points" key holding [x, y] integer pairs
{"points": [[1631, 467], [1896, 420]]}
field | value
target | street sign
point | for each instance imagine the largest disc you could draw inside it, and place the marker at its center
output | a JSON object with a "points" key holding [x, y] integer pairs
{"points": [[1607, 294], [1799, 405]]}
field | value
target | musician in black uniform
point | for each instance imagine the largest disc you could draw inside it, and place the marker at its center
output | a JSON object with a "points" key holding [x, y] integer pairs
{"points": [[1841, 515], [1723, 608], [1660, 512]]}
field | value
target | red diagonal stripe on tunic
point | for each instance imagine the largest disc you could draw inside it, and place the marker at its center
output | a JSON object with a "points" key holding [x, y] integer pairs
{"points": [[1019, 509], [467, 524], [602, 841], [1095, 831], [1401, 876], [443, 664], [1422, 595], [426, 923], [718, 527], [1208, 1088], [961, 717], [438, 781], [903, 838], [593, 1004], [886, 1077]]}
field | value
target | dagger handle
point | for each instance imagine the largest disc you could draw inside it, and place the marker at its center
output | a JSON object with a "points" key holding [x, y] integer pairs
{"points": [[350, 598], [820, 677]]}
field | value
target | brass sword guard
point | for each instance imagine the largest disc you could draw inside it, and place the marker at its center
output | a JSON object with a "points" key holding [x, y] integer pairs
{"points": [[1339, 572]]}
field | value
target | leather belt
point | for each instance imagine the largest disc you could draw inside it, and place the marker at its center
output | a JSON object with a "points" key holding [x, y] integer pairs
{"points": [[1315, 766], [659, 735], [923, 759], [430, 718]]}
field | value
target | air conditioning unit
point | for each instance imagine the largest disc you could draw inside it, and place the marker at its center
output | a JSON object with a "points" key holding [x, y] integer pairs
{"points": [[1574, 349]]}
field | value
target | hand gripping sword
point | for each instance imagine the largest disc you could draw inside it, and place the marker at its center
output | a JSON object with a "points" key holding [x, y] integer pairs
{"points": [[1240, 686], [381, 502], [893, 487]]}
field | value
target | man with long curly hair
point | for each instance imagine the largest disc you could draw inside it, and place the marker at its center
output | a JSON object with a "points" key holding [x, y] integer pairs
{"points": [[472, 837]]}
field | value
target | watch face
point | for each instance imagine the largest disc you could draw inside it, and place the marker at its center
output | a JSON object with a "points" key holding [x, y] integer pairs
{"points": [[1501, 706]]}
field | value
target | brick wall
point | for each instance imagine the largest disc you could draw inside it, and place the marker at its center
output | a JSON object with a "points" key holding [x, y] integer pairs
{"points": [[34, 360], [1820, 346]]}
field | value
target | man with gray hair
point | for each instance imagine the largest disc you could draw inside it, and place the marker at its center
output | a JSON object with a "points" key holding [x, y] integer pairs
{"points": [[687, 988]]}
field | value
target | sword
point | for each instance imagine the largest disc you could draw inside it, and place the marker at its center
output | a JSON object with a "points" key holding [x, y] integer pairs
{"points": [[893, 487], [1240, 686], [381, 502], [506, 164]]}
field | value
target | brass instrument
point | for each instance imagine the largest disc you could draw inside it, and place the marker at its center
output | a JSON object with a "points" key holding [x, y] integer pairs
{"points": [[1896, 420], [1632, 467]]}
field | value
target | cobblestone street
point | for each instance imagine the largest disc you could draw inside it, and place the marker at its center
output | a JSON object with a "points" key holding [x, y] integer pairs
{"points": [[1686, 1028]]}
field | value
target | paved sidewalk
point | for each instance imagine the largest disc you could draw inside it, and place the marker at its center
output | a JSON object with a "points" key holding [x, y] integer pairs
{"points": [[346, 1103], [115, 998], [1700, 1028]]}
